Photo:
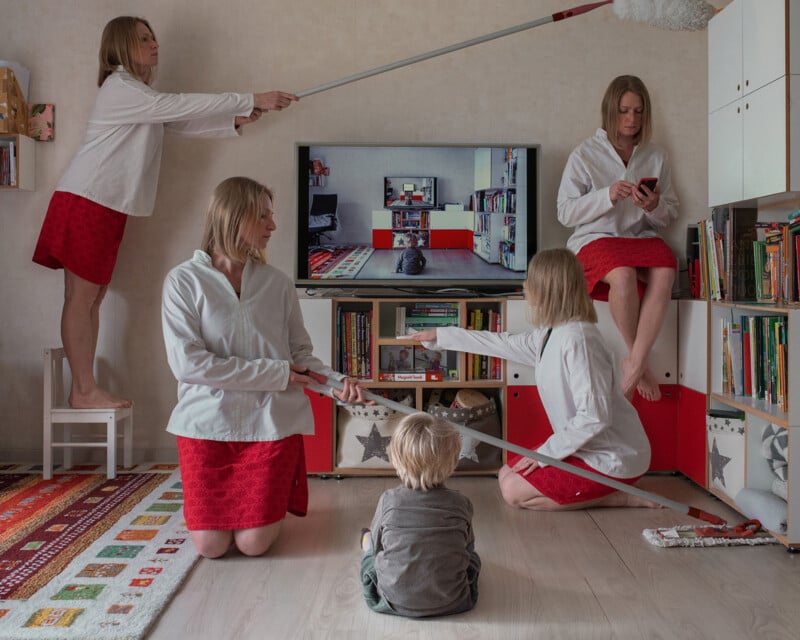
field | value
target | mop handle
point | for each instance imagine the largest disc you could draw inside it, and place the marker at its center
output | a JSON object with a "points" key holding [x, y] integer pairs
{"points": [[323, 384], [561, 15]]}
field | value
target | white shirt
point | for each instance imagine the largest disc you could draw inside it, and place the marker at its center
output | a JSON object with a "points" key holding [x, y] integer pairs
{"points": [[584, 201], [231, 354], [118, 164], [590, 417]]}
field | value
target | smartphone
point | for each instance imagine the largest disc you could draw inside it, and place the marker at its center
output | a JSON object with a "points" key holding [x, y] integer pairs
{"points": [[650, 183]]}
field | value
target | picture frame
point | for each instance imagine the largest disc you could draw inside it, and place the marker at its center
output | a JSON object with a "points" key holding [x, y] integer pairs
{"points": [[394, 358]]}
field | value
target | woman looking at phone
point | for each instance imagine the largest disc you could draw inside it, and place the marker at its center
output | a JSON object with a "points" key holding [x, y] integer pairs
{"points": [[604, 195]]}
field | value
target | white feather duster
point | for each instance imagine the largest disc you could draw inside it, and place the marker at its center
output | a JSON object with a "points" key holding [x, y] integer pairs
{"points": [[676, 15]]}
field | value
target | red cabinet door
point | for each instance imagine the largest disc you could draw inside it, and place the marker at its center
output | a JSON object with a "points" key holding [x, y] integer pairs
{"points": [[319, 447], [527, 424], [659, 420], [692, 435]]}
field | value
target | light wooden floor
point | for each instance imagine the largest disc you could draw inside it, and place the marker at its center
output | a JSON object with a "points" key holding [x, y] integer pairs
{"points": [[565, 575]]}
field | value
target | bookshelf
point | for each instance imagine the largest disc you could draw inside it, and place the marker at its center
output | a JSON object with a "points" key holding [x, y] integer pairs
{"points": [[368, 342], [500, 233], [17, 162], [762, 399]]}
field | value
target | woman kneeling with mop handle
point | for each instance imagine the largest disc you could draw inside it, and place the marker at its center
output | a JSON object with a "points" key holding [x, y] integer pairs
{"points": [[594, 426]]}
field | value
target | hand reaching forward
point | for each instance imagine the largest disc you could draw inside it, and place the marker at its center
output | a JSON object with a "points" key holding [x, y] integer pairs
{"points": [[273, 100]]}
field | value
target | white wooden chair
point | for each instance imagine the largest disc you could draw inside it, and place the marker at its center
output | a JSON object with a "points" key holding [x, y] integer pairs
{"points": [[57, 410]]}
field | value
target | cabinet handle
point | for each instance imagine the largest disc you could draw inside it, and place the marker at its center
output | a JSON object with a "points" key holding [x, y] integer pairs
{"points": [[738, 87], [746, 83], [746, 106]]}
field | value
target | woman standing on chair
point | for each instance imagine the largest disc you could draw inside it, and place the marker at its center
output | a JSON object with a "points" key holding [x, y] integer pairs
{"points": [[237, 345], [617, 224], [114, 175]]}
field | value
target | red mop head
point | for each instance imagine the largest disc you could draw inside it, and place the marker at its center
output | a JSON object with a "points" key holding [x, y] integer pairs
{"points": [[675, 15]]}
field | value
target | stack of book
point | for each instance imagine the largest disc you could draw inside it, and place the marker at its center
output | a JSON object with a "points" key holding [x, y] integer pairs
{"points": [[737, 258], [484, 367], [425, 315], [754, 358], [354, 343]]}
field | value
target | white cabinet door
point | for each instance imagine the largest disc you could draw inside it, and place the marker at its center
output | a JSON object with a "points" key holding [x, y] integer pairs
{"points": [[318, 319], [725, 56], [764, 137], [763, 42], [725, 155]]}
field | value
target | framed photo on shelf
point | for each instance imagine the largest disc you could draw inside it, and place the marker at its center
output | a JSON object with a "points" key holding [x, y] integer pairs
{"points": [[396, 358]]}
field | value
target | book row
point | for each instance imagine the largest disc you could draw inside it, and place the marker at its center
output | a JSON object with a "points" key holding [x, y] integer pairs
{"points": [[754, 359], [8, 163], [736, 258]]}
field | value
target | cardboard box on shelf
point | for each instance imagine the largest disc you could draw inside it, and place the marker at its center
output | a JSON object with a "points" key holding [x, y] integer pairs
{"points": [[13, 108]]}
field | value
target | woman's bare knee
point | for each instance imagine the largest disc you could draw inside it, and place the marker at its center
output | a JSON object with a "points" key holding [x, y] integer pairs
{"points": [[212, 544], [258, 540]]}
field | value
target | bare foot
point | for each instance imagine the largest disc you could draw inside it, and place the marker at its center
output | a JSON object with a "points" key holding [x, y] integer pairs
{"points": [[97, 398], [648, 387]]}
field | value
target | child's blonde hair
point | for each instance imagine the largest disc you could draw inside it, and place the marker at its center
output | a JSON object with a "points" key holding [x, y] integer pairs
{"points": [[556, 289], [235, 203], [424, 451]]}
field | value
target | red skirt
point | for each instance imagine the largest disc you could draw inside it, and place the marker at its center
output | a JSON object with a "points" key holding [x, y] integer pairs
{"points": [[242, 485], [81, 236], [567, 488], [601, 256]]}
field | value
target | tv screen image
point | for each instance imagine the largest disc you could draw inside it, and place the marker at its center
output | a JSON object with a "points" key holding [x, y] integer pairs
{"points": [[416, 218]]}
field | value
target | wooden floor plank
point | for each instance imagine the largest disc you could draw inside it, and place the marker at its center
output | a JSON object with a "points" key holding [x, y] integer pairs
{"points": [[572, 575]]}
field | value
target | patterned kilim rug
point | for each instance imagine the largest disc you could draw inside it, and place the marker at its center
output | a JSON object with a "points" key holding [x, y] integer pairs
{"points": [[89, 558], [338, 262]]}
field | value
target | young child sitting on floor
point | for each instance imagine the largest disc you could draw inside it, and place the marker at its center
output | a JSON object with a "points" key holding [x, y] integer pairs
{"points": [[411, 261], [419, 556]]}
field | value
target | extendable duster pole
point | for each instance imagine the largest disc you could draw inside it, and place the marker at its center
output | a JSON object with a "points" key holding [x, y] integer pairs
{"points": [[326, 385], [678, 15], [453, 47]]}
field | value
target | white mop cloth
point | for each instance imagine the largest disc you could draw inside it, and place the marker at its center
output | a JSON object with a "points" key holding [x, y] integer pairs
{"points": [[675, 15], [685, 536]]}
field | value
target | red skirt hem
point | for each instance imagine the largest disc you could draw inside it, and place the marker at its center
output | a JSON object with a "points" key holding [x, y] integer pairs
{"points": [[567, 488], [601, 256], [230, 486], [81, 236]]}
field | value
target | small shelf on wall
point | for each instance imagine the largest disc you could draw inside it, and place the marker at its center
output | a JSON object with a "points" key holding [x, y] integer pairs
{"points": [[17, 162]]}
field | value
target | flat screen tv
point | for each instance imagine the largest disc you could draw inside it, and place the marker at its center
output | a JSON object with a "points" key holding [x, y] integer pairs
{"points": [[471, 209]]}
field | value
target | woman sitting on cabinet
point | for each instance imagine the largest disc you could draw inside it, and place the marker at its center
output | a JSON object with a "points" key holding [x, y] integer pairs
{"points": [[617, 222]]}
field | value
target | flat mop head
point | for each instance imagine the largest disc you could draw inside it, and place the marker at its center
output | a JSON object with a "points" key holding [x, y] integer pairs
{"points": [[748, 533], [675, 15]]}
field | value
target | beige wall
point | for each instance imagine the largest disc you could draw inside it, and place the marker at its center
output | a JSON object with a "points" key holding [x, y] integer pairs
{"points": [[540, 86]]}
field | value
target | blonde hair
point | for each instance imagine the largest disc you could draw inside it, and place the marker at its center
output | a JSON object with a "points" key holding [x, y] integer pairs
{"points": [[424, 451], [555, 287], [234, 204], [610, 107], [118, 46]]}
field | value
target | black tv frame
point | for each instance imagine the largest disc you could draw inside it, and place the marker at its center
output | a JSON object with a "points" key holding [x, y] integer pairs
{"points": [[422, 286]]}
